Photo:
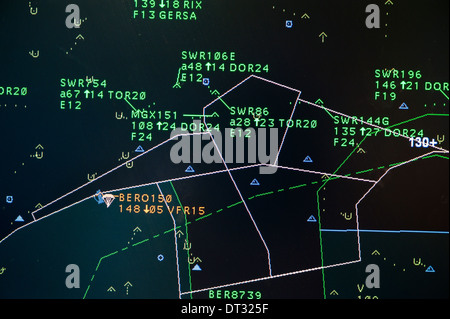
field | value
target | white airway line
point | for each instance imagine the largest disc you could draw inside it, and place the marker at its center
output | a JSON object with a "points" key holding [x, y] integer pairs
{"points": [[243, 202], [235, 169], [373, 186], [322, 173], [184, 178], [275, 83], [270, 277], [36, 220], [113, 169]]}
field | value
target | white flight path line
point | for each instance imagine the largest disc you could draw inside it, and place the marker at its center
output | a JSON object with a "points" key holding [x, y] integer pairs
{"points": [[271, 277], [275, 83], [113, 169], [36, 220], [322, 173], [175, 237], [374, 185], [236, 169], [185, 178], [243, 202], [127, 188]]}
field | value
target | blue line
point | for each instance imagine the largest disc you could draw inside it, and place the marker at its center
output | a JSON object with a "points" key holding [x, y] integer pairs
{"points": [[387, 231]]}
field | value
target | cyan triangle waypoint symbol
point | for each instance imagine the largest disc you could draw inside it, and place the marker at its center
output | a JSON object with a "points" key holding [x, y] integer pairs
{"points": [[403, 106], [197, 268], [312, 219], [430, 269], [189, 169], [19, 219], [254, 182], [139, 149], [307, 159]]}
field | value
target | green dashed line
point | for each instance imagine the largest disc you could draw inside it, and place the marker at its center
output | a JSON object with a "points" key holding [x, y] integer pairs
{"points": [[156, 236], [203, 217], [251, 197], [124, 248], [219, 210], [235, 204], [111, 254], [426, 157], [381, 167], [293, 187], [86, 291], [98, 264], [168, 231], [142, 241], [315, 182], [367, 170], [96, 268], [280, 190], [263, 194], [435, 155], [395, 164]]}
